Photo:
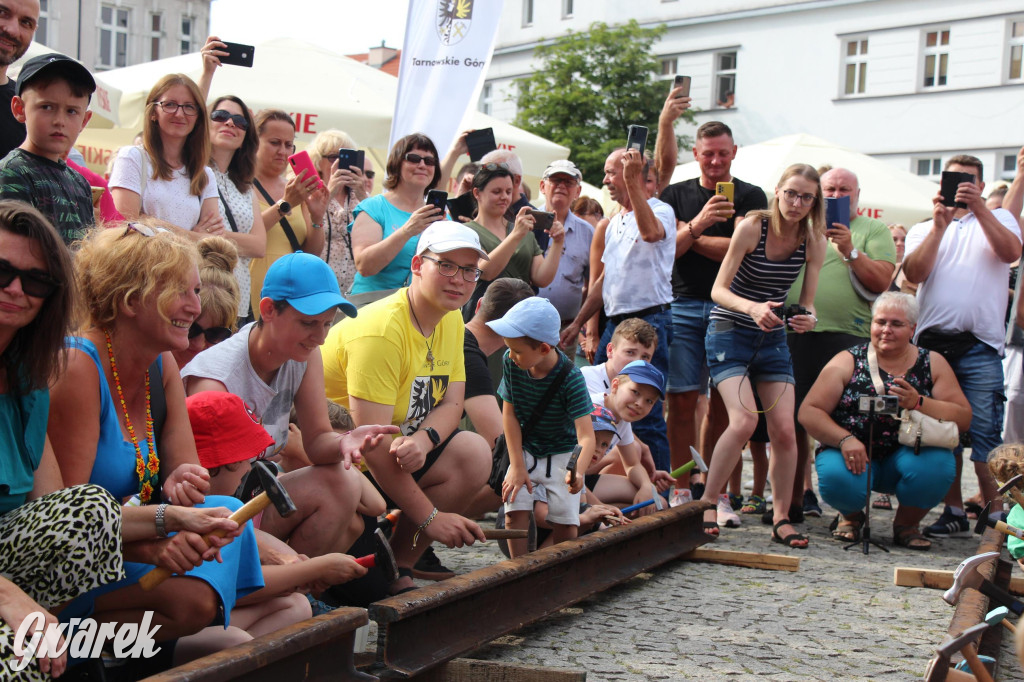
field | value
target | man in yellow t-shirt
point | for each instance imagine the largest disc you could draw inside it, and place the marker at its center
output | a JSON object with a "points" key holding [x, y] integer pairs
{"points": [[401, 361]]}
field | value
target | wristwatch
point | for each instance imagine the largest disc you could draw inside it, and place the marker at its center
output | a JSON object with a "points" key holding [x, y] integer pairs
{"points": [[433, 435], [854, 254], [284, 208]]}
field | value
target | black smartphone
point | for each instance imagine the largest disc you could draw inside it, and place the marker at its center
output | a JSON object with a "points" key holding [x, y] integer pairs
{"points": [[837, 210], [542, 220], [480, 142], [436, 197], [462, 206], [682, 82], [636, 138], [351, 158], [950, 181], [238, 54]]}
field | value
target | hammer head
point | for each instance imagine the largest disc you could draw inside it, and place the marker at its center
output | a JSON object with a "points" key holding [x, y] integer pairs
{"points": [[1014, 482], [995, 616], [701, 466], [384, 556], [659, 501], [955, 644], [983, 520], [275, 491], [966, 575]]}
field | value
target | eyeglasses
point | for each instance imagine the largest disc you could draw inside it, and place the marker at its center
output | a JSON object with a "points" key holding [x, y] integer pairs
{"points": [[414, 158], [792, 197], [449, 269], [222, 116], [370, 174], [144, 230], [35, 283], [214, 335], [169, 107], [562, 179], [494, 166]]}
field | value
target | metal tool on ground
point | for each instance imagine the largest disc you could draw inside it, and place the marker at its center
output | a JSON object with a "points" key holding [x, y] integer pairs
{"points": [[696, 463], [383, 557], [1000, 615], [574, 458], [965, 644], [1013, 488], [967, 575], [986, 521], [273, 493]]}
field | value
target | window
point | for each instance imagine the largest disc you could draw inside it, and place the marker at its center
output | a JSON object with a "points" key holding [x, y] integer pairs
{"points": [[1016, 72], [668, 67], [567, 9], [1009, 166], [856, 65], [725, 79], [936, 57], [41, 36], [113, 37], [928, 167], [527, 12], [187, 26], [155, 36], [487, 98]]}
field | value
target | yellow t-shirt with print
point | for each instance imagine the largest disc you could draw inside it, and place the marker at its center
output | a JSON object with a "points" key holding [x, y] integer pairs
{"points": [[381, 357]]}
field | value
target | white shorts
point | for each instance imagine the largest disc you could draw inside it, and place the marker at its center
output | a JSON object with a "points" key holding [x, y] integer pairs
{"points": [[563, 507]]}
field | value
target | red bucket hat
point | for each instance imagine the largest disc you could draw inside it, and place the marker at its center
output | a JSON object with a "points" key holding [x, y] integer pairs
{"points": [[226, 431]]}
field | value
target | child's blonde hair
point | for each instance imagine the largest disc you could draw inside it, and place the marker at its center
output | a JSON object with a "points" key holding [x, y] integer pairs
{"points": [[1006, 461]]}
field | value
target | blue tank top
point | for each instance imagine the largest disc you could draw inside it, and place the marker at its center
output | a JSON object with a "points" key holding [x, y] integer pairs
{"points": [[760, 279]]}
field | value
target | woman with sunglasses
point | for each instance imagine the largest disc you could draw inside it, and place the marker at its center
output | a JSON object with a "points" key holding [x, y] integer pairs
{"points": [[167, 178], [746, 338], [347, 187], [386, 227], [293, 209], [218, 298]]}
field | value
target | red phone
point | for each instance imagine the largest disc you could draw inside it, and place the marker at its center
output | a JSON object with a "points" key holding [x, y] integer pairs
{"points": [[300, 161]]}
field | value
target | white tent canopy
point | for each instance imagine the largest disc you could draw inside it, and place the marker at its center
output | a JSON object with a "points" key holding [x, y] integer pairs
{"points": [[887, 193]]}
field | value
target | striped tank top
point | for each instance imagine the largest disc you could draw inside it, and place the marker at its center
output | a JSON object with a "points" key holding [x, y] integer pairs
{"points": [[760, 279]]}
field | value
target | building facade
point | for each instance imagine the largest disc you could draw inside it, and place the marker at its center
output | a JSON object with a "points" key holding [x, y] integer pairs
{"points": [[908, 82], [109, 34]]}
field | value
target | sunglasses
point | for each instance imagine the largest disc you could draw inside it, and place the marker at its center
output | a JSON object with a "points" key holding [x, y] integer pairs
{"points": [[222, 116], [414, 158], [144, 230], [494, 166], [214, 335], [34, 283]]}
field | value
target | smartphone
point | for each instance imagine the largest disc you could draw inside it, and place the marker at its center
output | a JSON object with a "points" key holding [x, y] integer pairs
{"points": [[300, 161], [238, 54], [480, 142], [950, 181], [436, 197], [837, 210], [726, 189], [636, 138], [351, 158], [542, 220], [462, 206], [682, 82]]}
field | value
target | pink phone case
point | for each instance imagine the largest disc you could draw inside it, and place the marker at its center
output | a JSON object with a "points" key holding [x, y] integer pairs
{"points": [[300, 161]]}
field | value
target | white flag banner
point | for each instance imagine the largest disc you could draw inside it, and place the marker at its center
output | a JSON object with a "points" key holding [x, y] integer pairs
{"points": [[448, 46]]}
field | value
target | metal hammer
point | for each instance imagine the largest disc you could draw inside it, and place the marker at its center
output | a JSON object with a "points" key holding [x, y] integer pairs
{"points": [[1012, 487], [273, 492], [383, 557], [999, 615], [964, 643], [985, 521], [967, 575], [696, 463], [573, 459]]}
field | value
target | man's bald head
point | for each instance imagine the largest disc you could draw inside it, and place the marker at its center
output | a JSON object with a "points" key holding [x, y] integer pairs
{"points": [[840, 182]]}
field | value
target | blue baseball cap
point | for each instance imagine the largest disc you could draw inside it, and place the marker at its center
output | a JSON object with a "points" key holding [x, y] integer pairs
{"points": [[532, 317], [643, 372], [603, 419], [306, 283]]}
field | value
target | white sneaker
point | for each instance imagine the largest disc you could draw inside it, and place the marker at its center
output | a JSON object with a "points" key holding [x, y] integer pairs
{"points": [[727, 518], [680, 496]]}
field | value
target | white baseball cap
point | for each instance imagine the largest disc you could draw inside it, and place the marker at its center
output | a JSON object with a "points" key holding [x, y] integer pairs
{"points": [[447, 235]]}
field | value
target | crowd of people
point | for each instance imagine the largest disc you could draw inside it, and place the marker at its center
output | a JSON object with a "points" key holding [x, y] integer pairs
{"points": [[383, 353]]}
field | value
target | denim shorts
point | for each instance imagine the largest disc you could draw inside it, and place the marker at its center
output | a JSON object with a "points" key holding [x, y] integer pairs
{"points": [[980, 373], [687, 361], [734, 351]]}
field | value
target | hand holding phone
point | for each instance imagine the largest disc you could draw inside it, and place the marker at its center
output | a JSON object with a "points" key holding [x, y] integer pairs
{"points": [[437, 199], [479, 142], [301, 162], [541, 219], [238, 54], [681, 82], [351, 158], [950, 182], [636, 138], [837, 210], [727, 190]]}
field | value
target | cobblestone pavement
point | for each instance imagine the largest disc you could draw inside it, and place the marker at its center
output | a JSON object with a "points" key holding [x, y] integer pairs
{"points": [[838, 618]]}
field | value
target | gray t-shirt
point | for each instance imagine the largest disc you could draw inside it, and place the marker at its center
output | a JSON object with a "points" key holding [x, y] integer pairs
{"points": [[228, 362]]}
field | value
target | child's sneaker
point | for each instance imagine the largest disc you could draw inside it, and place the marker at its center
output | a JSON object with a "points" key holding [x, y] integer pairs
{"points": [[727, 518], [755, 505], [680, 496], [949, 525], [735, 500]]}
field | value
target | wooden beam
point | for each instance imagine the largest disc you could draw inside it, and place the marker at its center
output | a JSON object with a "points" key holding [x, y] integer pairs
{"points": [[469, 670], [768, 562], [939, 580]]}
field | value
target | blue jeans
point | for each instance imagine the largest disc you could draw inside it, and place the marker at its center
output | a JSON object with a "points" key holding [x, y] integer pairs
{"points": [[916, 480], [651, 429], [688, 364], [980, 373]]}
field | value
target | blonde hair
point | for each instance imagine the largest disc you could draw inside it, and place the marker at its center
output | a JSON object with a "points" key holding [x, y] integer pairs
{"points": [[1006, 461], [328, 143], [811, 225], [113, 265], [219, 294]]}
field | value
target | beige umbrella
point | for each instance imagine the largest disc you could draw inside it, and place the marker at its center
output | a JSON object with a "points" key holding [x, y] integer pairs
{"points": [[887, 193]]}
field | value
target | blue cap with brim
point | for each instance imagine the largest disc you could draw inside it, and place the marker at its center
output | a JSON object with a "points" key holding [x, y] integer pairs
{"points": [[645, 373], [306, 283], [533, 318]]}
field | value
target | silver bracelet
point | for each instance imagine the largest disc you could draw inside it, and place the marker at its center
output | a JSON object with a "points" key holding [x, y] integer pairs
{"points": [[423, 525], [843, 440], [161, 524]]}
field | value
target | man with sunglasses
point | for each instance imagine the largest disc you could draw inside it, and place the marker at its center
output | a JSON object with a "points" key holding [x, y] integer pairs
{"points": [[401, 362]]}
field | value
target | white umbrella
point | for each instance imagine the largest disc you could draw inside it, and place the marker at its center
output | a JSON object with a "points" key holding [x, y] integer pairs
{"points": [[887, 193]]}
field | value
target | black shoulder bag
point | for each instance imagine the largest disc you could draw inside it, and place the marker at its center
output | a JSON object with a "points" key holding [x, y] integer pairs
{"points": [[285, 225], [499, 456]]}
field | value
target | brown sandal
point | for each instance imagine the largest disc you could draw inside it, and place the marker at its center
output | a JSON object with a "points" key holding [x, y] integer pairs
{"points": [[847, 529], [911, 538]]}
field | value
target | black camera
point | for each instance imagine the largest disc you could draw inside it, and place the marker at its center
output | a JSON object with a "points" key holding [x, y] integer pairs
{"points": [[790, 311], [879, 404]]}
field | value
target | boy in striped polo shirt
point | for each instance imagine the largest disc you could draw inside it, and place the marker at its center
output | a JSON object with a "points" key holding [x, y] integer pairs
{"points": [[532, 364]]}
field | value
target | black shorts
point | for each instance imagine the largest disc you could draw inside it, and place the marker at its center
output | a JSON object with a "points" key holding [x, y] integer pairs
{"points": [[432, 458], [810, 353]]}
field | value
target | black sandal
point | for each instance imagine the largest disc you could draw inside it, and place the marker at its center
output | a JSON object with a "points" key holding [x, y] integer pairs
{"points": [[790, 539]]}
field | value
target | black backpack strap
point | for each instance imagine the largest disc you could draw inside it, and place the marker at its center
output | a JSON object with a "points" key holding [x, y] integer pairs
{"points": [[285, 225]]}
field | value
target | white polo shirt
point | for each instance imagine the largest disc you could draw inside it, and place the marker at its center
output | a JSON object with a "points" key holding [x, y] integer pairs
{"points": [[967, 288], [638, 274]]}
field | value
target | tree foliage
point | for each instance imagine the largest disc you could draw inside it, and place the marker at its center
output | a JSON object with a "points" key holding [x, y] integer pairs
{"points": [[590, 87]]}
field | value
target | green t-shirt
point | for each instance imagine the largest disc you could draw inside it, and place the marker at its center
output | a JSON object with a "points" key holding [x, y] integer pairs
{"points": [[1014, 544], [59, 192], [521, 262], [838, 306]]}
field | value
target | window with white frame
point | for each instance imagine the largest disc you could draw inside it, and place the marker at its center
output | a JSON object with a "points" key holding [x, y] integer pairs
{"points": [[156, 34], [527, 12], [188, 25], [936, 57], [1016, 70], [725, 79], [114, 23], [42, 35], [927, 167], [567, 9], [1008, 167], [669, 67], [855, 66], [487, 98]]}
